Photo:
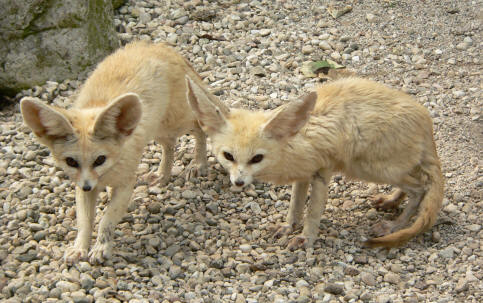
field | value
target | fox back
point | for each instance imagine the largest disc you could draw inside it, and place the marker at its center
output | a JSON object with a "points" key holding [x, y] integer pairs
{"points": [[352, 125], [133, 96]]}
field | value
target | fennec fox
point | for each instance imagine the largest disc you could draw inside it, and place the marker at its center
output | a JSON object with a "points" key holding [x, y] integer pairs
{"points": [[355, 126], [135, 95]]}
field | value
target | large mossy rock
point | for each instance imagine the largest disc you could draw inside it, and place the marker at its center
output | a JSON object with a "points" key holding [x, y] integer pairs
{"points": [[53, 40]]}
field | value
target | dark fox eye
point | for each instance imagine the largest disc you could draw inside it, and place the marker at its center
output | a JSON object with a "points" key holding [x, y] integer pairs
{"points": [[228, 156], [99, 161], [71, 162], [256, 159]]}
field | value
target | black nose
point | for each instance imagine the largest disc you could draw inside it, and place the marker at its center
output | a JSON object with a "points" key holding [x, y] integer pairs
{"points": [[239, 183], [86, 187]]}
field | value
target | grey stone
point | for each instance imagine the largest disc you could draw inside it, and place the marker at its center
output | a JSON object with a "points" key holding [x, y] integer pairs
{"points": [[368, 278], [351, 271], [360, 259], [182, 20], [307, 49], [154, 208], [462, 286], [303, 299], [30, 155], [217, 263], [178, 13], [84, 266], [265, 32], [325, 45], [55, 293], [255, 207], [40, 235], [188, 194], [301, 283], [335, 55], [392, 278], [213, 207], [366, 297], [370, 18], [14, 285], [144, 17], [245, 247], [154, 241], [333, 288], [170, 251], [462, 46], [175, 272], [447, 253], [258, 71], [52, 40], [21, 214], [468, 40], [28, 256], [459, 93], [383, 298], [80, 297], [474, 227], [65, 286], [87, 282]]}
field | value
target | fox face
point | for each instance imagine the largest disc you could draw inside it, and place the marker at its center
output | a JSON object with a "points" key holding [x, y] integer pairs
{"points": [[86, 159], [247, 143], [242, 169], [85, 143], [244, 160]]}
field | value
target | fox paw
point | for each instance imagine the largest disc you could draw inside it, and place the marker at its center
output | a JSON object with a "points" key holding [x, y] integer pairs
{"points": [[154, 179], [99, 253], [385, 202], [196, 170], [382, 228], [282, 231], [300, 242], [74, 254]]}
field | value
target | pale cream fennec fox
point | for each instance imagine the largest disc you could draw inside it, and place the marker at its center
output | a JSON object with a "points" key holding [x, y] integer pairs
{"points": [[135, 95], [359, 127]]}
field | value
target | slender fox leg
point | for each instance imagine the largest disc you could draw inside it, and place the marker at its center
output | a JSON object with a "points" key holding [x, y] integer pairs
{"points": [[164, 170], [115, 210], [296, 209], [85, 211], [314, 211], [200, 168], [390, 201], [386, 227], [167, 161]]}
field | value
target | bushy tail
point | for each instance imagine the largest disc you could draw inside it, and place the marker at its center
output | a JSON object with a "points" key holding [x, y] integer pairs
{"points": [[428, 211]]}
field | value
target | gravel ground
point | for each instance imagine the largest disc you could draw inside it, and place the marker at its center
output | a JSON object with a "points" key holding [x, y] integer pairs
{"points": [[198, 241]]}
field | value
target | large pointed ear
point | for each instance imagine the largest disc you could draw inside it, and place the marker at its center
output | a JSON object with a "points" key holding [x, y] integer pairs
{"points": [[210, 113], [45, 121], [120, 118], [288, 120]]}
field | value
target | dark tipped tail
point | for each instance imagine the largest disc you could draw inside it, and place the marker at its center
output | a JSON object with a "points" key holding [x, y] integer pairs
{"points": [[428, 211]]}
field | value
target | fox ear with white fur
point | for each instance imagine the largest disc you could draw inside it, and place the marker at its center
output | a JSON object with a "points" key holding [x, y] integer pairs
{"points": [[289, 119], [120, 118], [210, 115], [48, 123]]}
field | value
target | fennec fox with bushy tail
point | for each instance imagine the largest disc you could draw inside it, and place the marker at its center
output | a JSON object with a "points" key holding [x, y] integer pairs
{"points": [[135, 95], [359, 127]]}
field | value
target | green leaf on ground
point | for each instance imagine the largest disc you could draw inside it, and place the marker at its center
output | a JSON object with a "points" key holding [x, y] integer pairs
{"points": [[312, 69], [336, 12]]}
